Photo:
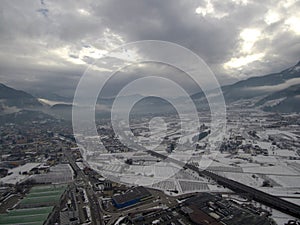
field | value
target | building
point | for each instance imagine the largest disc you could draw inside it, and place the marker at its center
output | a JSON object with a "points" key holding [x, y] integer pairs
{"points": [[38, 207], [131, 197], [58, 174]]}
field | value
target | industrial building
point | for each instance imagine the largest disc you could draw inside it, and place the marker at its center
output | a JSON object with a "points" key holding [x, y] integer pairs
{"points": [[58, 174], [216, 210], [37, 207], [131, 197]]}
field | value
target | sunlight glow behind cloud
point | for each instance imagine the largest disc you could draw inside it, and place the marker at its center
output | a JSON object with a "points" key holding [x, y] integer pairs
{"points": [[83, 12], [249, 37], [236, 38], [272, 17], [242, 61], [294, 24]]}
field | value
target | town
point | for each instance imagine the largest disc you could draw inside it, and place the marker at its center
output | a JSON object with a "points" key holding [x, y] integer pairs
{"points": [[46, 178]]}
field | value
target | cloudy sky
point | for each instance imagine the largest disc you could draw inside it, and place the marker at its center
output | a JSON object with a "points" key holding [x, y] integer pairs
{"points": [[46, 45]]}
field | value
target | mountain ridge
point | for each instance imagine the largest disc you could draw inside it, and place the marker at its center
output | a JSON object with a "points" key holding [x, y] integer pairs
{"points": [[282, 88], [12, 98]]}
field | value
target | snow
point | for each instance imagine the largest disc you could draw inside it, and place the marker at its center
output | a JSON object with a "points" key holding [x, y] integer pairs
{"points": [[264, 145], [245, 179], [285, 153], [282, 134], [275, 170], [80, 165], [15, 177], [264, 159], [293, 200], [287, 181], [281, 218], [297, 69], [274, 102], [282, 191]]}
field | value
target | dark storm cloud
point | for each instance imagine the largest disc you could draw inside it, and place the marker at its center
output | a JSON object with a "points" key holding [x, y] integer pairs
{"points": [[44, 41], [43, 79], [210, 37]]}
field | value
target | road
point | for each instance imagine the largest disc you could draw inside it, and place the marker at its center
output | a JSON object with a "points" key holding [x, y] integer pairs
{"points": [[92, 196], [257, 195]]}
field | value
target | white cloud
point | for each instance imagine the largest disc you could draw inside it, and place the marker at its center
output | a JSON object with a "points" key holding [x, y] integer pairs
{"points": [[293, 24], [270, 43], [84, 12], [277, 87], [243, 61], [79, 53], [233, 37], [241, 2], [288, 3], [209, 10], [272, 17], [249, 37], [64, 53]]}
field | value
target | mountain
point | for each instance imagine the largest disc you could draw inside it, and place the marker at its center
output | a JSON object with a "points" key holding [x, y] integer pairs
{"points": [[290, 92], [278, 92], [147, 105], [286, 100], [262, 85], [273, 92], [13, 100]]}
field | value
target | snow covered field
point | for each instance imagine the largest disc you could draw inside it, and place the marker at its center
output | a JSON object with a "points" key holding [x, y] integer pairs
{"points": [[265, 158], [17, 174]]}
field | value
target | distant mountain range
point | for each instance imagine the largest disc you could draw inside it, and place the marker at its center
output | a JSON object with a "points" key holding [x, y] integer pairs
{"points": [[279, 92], [263, 85]]}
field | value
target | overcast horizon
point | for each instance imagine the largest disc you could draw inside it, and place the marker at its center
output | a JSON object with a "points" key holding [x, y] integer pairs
{"points": [[47, 45]]}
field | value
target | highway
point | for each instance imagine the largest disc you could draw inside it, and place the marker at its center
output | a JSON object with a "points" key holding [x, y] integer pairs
{"points": [[257, 195]]}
